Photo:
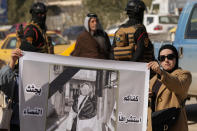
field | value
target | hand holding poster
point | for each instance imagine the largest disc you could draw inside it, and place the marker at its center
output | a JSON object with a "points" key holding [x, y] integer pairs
{"points": [[57, 93]]}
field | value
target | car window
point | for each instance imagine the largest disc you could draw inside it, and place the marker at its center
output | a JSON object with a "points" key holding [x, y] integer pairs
{"points": [[73, 32], [191, 28], [11, 44], [168, 19], [57, 40], [2, 35], [12, 29], [149, 20]]}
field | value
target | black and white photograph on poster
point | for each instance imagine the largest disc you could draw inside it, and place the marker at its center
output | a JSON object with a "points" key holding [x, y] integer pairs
{"points": [[59, 93], [84, 102]]}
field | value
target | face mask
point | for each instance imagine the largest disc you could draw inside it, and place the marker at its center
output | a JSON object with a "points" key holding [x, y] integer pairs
{"points": [[40, 19]]}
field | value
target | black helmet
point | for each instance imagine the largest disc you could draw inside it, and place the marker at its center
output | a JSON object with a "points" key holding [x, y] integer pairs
{"points": [[38, 8], [135, 6], [135, 10]]}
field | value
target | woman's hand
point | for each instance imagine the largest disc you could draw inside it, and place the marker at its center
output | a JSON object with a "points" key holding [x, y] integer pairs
{"points": [[154, 65], [14, 57]]}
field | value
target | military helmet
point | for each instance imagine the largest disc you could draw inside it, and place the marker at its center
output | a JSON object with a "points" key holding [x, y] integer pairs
{"points": [[135, 6], [38, 8]]}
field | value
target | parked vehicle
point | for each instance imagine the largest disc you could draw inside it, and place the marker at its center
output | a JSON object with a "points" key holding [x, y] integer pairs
{"points": [[9, 44], [73, 32], [167, 6], [60, 44], [4, 31], [3, 34], [113, 28], [157, 23], [186, 43], [154, 23]]}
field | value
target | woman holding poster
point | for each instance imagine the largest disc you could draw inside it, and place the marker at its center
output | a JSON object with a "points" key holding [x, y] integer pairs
{"points": [[168, 92]]}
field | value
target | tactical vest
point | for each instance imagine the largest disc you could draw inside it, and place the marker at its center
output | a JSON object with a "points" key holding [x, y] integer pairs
{"points": [[148, 54], [125, 45], [46, 48]]}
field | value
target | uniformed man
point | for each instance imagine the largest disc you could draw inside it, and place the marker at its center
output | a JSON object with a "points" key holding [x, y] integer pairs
{"points": [[131, 41], [33, 37]]}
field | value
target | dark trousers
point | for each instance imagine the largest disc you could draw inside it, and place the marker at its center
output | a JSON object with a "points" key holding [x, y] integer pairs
{"points": [[14, 127]]}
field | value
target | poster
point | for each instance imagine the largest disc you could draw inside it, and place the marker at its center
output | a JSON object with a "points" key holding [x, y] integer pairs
{"points": [[59, 93]]}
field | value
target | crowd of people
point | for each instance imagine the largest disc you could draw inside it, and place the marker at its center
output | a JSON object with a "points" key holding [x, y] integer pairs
{"points": [[169, 83]]}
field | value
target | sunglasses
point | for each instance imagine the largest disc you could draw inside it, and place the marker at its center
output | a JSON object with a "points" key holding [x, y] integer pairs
{"points": [[169, 57]]}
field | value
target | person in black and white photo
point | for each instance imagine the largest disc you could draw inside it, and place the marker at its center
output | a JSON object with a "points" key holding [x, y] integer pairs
{"points": [[83, 113]]}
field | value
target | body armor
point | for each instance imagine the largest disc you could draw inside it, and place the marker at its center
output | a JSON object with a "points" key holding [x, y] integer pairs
{"points": [[124, 43], [40, 41]]}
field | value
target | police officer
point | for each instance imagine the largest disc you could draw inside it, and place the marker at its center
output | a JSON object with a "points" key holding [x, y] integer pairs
{"points": [[33, 37], [131, 42]]}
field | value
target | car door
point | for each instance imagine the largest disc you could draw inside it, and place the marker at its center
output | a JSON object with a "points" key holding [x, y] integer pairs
{"points": [[6, 48], [186, 42], [149, 22], [60, 44]]}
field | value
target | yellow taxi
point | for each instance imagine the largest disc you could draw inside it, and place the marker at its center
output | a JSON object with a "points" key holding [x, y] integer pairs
{"points": [[9, 44], [60, 44], [69, 50], [3, 33]]}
